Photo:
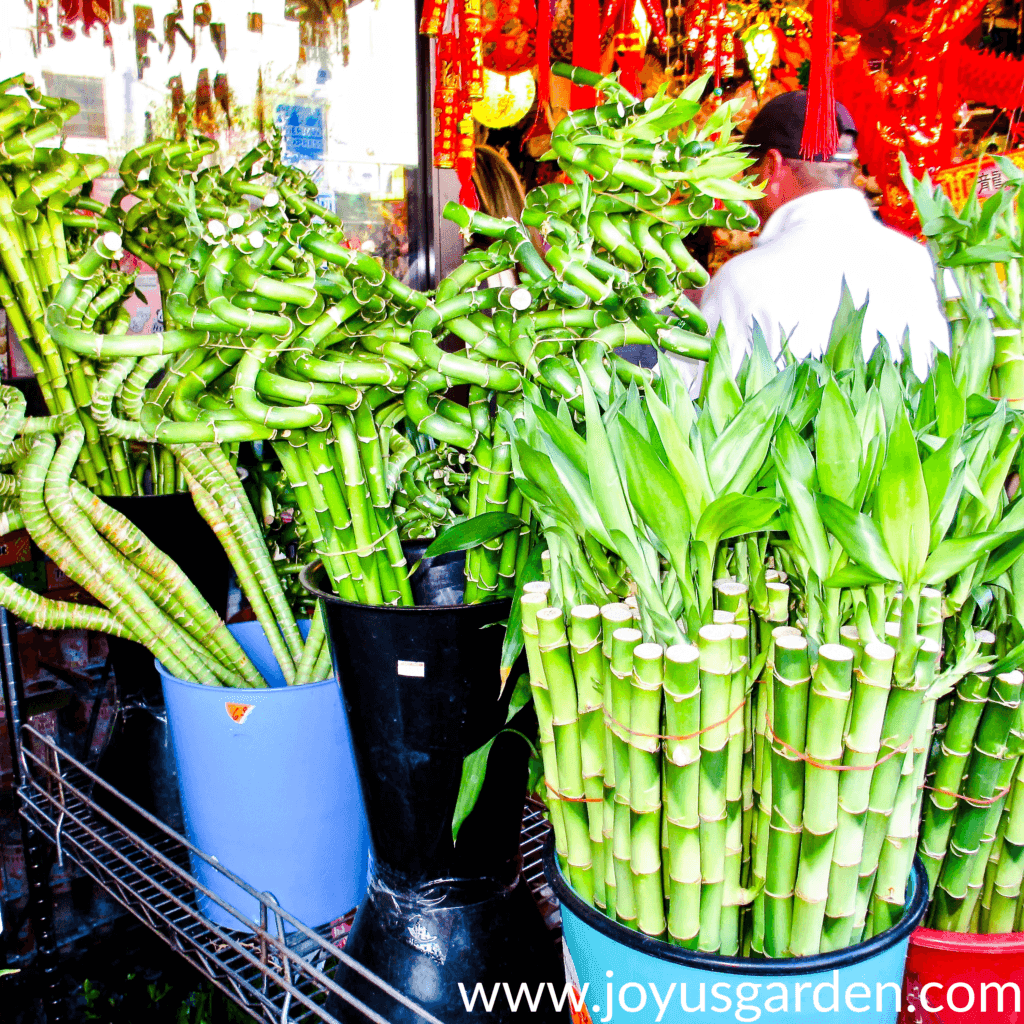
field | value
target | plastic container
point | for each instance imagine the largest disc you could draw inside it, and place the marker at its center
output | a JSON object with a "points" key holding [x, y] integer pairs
{"points": [[859, 984], [952, 976], [268, 787], [422, 689]]}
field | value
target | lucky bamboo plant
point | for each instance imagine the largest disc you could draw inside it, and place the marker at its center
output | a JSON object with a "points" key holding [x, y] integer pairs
{"points": [[814, 552]]}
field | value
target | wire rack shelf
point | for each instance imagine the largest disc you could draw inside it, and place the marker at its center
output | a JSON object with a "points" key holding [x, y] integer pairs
{"points": [[279, 970]]}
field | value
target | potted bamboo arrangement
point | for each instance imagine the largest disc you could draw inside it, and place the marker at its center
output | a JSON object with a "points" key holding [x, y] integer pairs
{"points": [[965, 962], [756, 607]]}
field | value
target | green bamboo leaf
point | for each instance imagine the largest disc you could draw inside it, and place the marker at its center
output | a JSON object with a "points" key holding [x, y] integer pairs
{"points": [[732, 515], [673, 392], [937, 470], [722, 399], [808, 391], [853, 576], [737, 455], [805, 525], [687, 471], [474, 765], [656, 496], [844, 340], [471, 533], [859, 537], [759, 368], [950, 409], [953, 556], [1004, 558], [565, 438], [972, 366], [794, 455], [837, 445], [901, 503], [604, 474], [512, 646], [655, 614], [985, 252]]}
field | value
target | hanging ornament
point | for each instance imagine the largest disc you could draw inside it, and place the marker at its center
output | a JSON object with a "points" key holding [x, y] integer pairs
{"points": [[89, 13], [173, 28], [471, 38], [321, 24], [202, 115], [219, 38], [261, 115], [821, 135], [222, 94], [177, 91], [760, 47], [144, 24], [630, 42], [447, 91], [544, 15], [509, 29], [507, 99]]}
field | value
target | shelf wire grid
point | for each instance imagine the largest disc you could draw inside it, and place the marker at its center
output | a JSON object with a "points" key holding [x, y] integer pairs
{"points": [[278, 970]]}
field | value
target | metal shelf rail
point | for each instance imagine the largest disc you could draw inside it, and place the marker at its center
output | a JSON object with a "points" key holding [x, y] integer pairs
{"points": [[280, 971]]}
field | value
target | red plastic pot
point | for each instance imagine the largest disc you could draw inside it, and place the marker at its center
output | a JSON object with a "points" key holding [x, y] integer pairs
{"points": [[955, 978]]}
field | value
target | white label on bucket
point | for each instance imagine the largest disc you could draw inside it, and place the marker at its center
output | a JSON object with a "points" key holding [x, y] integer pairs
{"points": [[417, 669], [238, 713]]}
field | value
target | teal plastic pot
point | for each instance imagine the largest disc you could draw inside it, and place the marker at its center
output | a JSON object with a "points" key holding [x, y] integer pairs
{"points": [[635, 975], [269, 788]]}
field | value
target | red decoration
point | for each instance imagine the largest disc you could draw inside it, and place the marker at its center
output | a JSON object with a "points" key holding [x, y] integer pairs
{"points": [[629, 49], [586, 48], [509, 27], [433, 17], [913, 110], [544, 12], [472, 49], [820, 137], [446, 100], [89, 13], [459, 72]]}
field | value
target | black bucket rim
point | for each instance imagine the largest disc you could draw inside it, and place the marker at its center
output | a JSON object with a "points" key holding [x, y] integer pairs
{"points": [[318, 565], [818, 964]]}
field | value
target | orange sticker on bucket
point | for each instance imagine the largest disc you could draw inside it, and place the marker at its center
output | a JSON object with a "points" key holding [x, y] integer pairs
{"points": [[238, 713]]}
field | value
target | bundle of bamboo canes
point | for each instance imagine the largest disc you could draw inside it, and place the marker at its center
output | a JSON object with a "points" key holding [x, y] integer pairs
{"points": [[739, 761]]}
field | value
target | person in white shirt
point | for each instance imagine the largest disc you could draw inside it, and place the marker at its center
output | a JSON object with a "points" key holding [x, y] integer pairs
{"points": [[817, 231]]}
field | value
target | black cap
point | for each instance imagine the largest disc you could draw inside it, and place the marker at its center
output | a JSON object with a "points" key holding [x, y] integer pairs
{"points": [[780, 125]]}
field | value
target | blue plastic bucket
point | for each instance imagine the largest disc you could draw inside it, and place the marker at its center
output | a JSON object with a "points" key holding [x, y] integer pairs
{"points": [[637, 975], [269, 788]]}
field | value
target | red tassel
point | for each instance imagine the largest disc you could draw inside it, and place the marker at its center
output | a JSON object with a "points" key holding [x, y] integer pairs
{"points": [[821, 134], [586, 48], [540, 123]]}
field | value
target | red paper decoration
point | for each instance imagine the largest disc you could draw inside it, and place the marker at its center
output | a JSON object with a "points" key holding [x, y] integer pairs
{"points": [[509, 31], [459, 83], [89, 13]]}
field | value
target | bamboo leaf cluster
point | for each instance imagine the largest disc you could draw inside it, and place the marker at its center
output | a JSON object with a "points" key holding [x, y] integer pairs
{"points": [[979, 249], [807, 560]]}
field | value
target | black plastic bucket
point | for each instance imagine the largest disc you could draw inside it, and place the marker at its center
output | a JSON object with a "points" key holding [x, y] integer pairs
{"points": [[622, 974], [139, 760], [422, 689]]}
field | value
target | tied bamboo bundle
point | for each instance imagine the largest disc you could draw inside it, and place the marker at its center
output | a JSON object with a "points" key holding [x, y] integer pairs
{"points": [[800, 631], [979, 249]]}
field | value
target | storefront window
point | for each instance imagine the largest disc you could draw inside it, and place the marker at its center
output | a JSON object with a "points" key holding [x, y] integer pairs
{"points": [[342, 96]]}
